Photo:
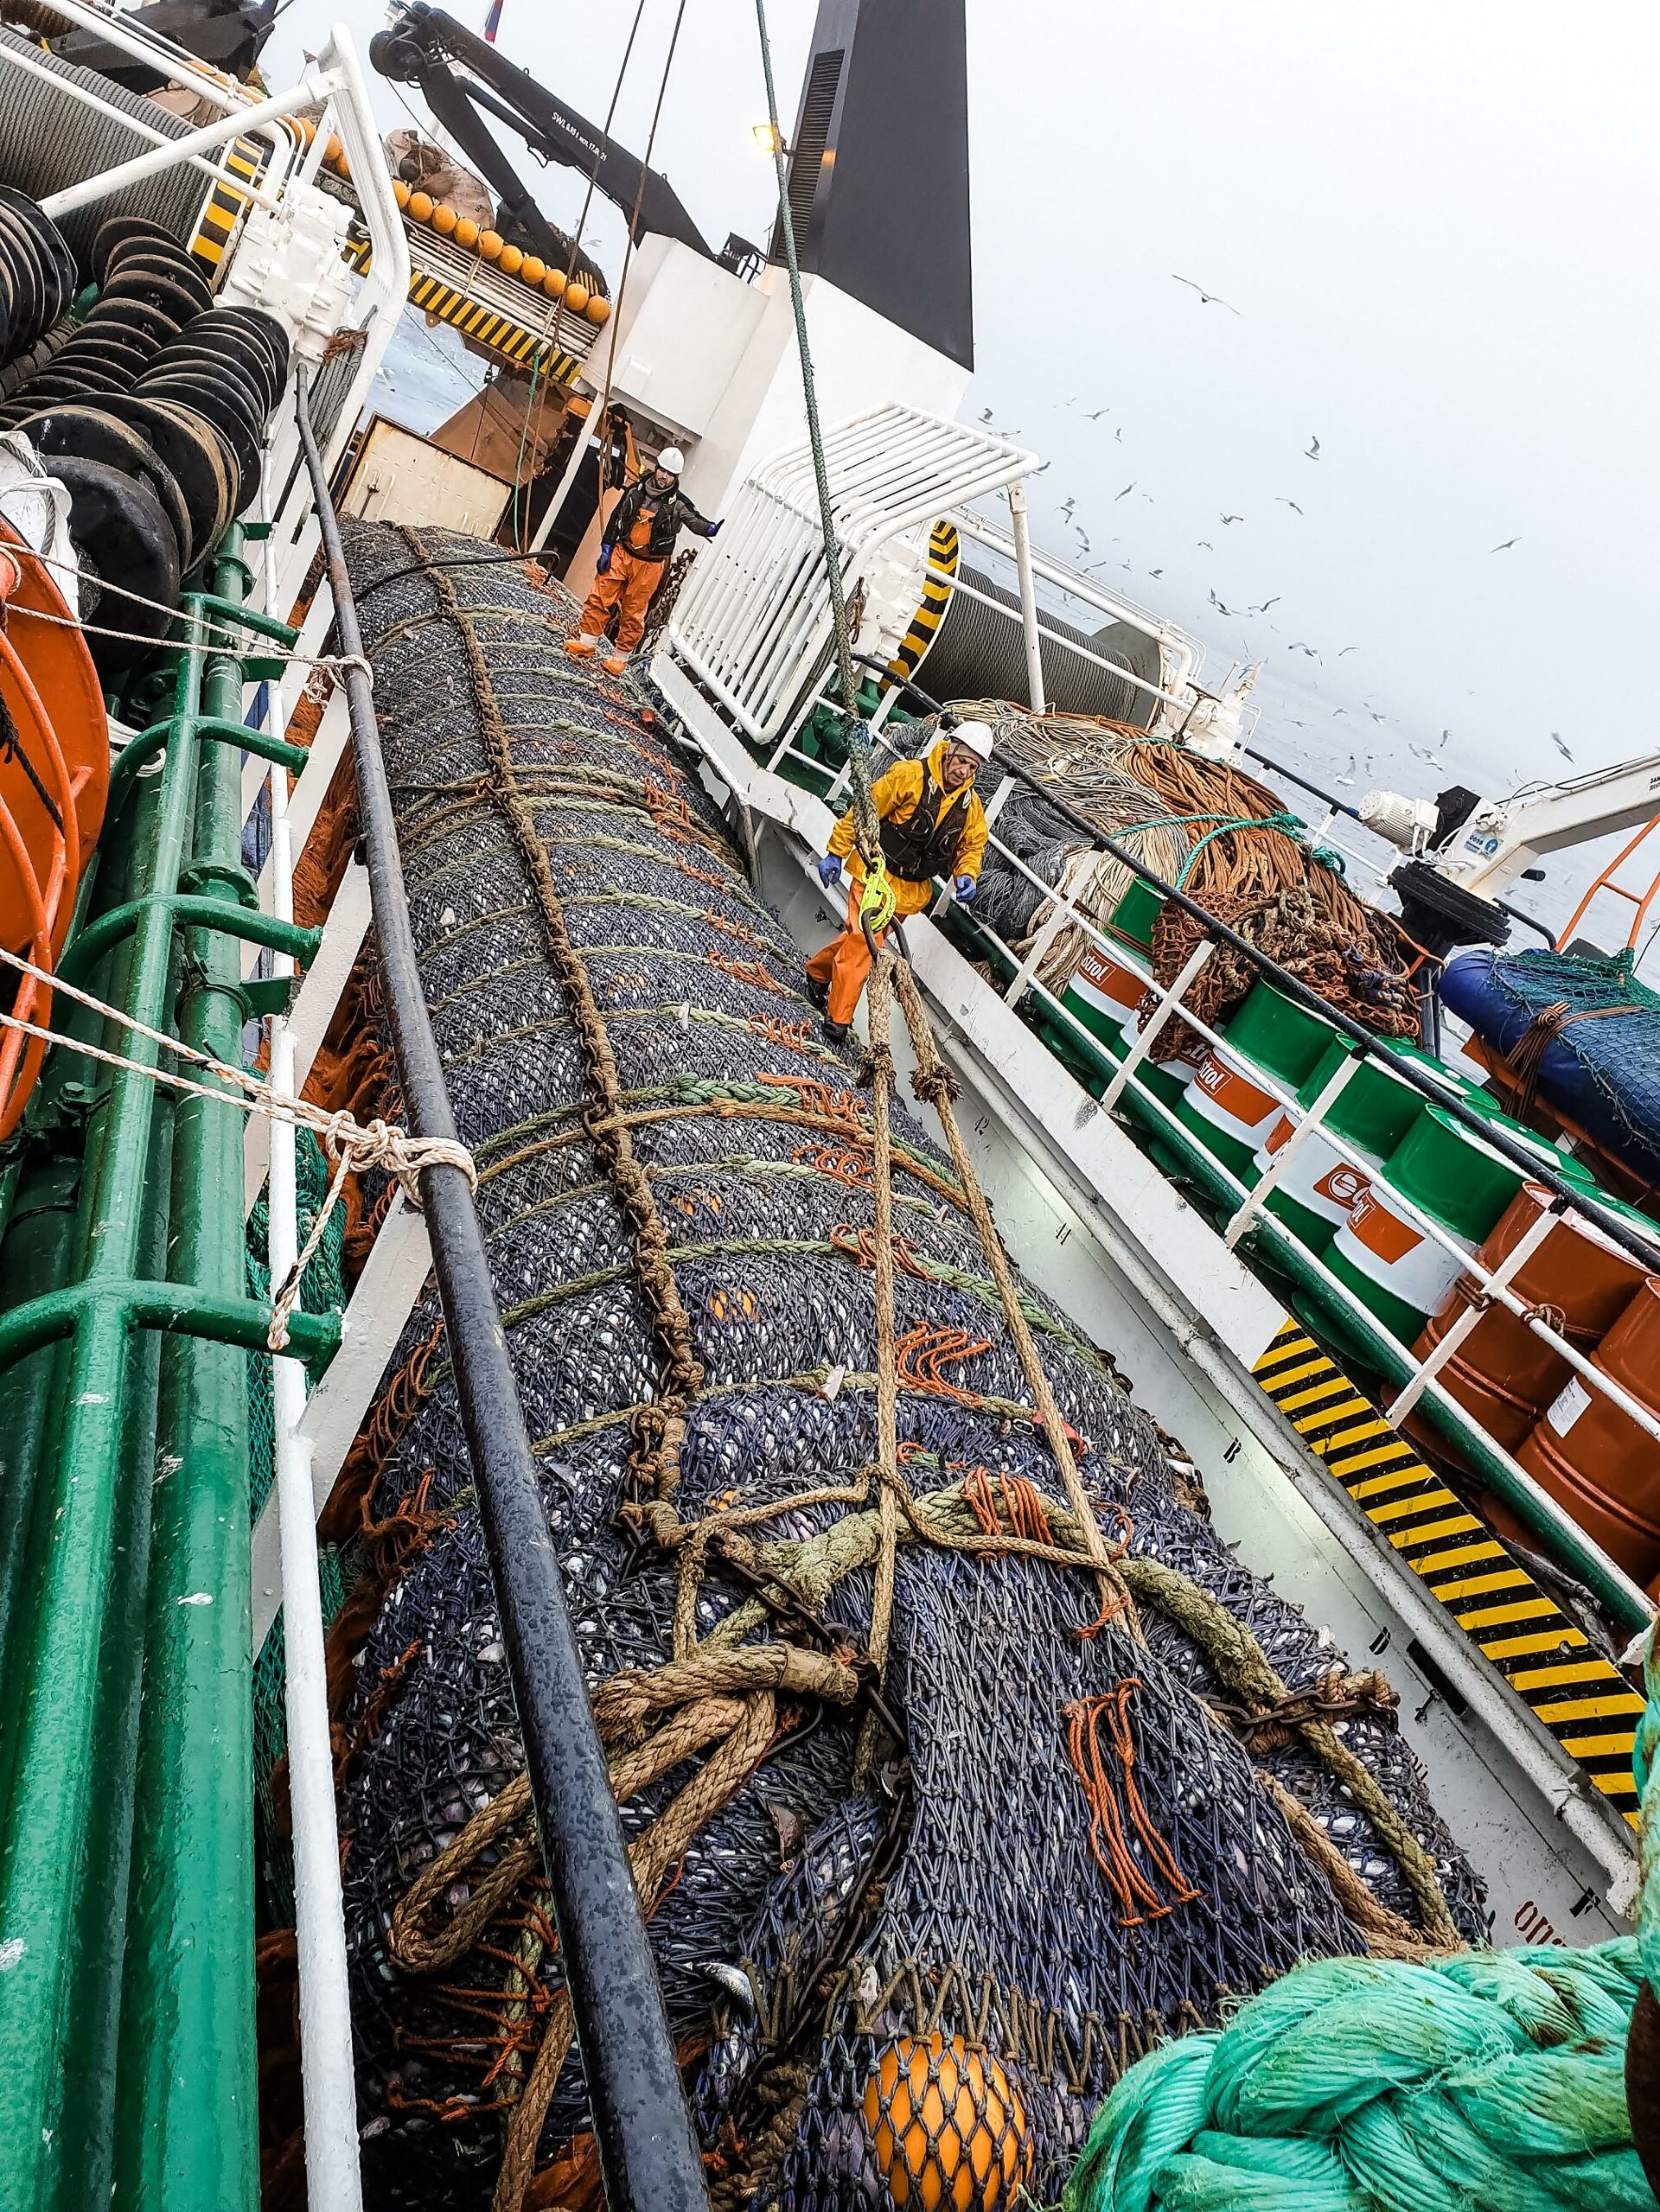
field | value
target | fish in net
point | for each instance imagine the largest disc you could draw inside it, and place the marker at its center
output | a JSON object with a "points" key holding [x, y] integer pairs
{"points": [[912, 1921]]}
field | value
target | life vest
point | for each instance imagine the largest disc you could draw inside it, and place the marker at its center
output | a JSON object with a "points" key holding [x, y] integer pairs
{"points": [[925, 843]]}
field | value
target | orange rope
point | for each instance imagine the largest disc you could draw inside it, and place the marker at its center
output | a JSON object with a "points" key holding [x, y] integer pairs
{"points": [[1107, 1843]]}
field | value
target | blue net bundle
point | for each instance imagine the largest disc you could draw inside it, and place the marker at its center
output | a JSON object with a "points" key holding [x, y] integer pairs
{"points": [[908, 1949], [1579, 1032]]}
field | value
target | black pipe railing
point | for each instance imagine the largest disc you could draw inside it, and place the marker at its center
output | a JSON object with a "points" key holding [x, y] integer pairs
{"points": [[1613, 1225], [646, 2154]]}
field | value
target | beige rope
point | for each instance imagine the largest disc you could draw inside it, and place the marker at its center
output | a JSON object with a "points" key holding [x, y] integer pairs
{"points": [[351, 1144], [934, 1083]]}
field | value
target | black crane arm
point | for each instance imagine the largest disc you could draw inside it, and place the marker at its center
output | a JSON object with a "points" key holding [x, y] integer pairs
{"points": [[430, 50]]}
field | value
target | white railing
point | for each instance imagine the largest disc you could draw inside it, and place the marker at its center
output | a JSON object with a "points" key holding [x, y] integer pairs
{"points": [[754, 621]]}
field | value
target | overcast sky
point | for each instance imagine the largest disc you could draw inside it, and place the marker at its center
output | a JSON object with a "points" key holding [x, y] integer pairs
{"points": [[1434, 220]]}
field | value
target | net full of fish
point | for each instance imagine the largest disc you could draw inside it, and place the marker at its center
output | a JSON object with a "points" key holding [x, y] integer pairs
{"points": [[908, 1977]]}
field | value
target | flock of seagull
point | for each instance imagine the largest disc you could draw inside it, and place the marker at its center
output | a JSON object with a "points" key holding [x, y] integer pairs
{"points": [[1068, 512]]}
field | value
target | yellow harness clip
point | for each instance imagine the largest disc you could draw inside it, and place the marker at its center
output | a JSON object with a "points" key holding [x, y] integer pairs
{"points": [[877, 902]]}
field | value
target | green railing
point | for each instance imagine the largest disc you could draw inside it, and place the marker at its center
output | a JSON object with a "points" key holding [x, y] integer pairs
{"points": [[126, 1847]]}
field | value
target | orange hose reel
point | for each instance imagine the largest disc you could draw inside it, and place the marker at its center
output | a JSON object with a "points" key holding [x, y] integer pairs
{"points": [[54, 781]]}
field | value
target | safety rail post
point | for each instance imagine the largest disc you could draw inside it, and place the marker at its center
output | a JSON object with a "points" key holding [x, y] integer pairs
{"points": [[328, 2088], [1028, 595], [1502, 1276], [1168, 1001], [642, 2129], [1331, 1091]]}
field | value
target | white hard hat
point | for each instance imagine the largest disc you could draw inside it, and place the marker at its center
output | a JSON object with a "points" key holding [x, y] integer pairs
{"points": [[670, 460], [974, 737]]}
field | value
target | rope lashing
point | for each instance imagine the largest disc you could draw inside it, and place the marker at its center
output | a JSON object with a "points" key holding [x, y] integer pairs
{"points": [[352, 1145]]}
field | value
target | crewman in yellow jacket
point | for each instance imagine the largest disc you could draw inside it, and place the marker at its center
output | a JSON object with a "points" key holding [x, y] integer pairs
{"points": [[932, 824]]}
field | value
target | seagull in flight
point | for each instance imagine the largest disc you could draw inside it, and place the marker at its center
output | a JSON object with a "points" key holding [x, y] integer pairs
{"points": [[1280, 499], [1264, 608], [1125, 493], [1220, 609], [1099, 412], [1118, 434], [1556, 740], [1155, 571], [1207, 546], [1206, 299], [1082, 540], [1233, 517], [985, 414], [1505, 547], [1342, 649], [1311, 450], [1070, 501]]}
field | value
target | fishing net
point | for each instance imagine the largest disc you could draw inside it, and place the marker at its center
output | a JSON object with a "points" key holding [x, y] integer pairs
{"points": [[1590, 1044], [1233, 848], [910, 1923]]}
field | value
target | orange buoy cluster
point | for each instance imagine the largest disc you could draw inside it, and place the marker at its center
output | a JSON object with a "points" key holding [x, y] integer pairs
{"points": [[512, 260], [55, 779]]}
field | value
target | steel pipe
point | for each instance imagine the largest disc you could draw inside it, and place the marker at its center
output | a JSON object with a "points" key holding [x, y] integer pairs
{"points": [[646, 2154]]}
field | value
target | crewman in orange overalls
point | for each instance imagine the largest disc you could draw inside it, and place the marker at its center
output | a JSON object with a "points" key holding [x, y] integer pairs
{"points": [[931, 824], [638, 538]]}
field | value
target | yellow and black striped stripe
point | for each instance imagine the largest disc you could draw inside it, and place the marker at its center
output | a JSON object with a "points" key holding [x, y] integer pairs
{"points": [[1581, 1698], [942, 554], [509, 340], [247, 159]]}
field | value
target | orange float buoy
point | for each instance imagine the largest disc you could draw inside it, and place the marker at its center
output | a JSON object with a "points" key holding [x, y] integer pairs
{"points": [[1592, 1457], [53, 784], [333, 150], [575, 298], [401, 191], [1503, 1374], [490, 243], [554, 282], [597, 311], [445, 219], [466, 231], [512, 258], [948, 2128], [532, 269], [420, 206]]}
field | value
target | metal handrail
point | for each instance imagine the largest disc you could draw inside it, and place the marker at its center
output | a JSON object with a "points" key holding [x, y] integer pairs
{"points": [[647, 2153], [1614, 1589]]}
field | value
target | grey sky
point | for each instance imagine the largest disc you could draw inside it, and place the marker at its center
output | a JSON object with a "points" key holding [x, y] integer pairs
{"points": [[1435, 223]]}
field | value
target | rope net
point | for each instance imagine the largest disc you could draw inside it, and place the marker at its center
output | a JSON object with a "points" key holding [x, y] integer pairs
{"points": [[939, 1820]]}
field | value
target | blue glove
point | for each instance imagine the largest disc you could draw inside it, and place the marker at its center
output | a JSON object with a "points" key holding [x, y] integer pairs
{"points": [[714, 527], [830, 871], [966, 889], [605, 561]]}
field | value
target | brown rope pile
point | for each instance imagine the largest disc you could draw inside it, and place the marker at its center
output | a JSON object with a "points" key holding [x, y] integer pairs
{"points": [[1264, 884], [1272, 891]]}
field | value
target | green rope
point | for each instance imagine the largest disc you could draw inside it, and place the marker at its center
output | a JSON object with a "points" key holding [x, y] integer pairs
{"points": [[859, 750], [1482, 2079]]}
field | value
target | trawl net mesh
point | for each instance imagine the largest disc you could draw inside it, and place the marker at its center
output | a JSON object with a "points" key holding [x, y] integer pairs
{"points": [[902, 1978]]}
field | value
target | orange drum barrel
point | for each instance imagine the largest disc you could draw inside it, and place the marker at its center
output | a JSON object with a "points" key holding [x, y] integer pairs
{"points": [[1502, 1374], [1592, 1457]]}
